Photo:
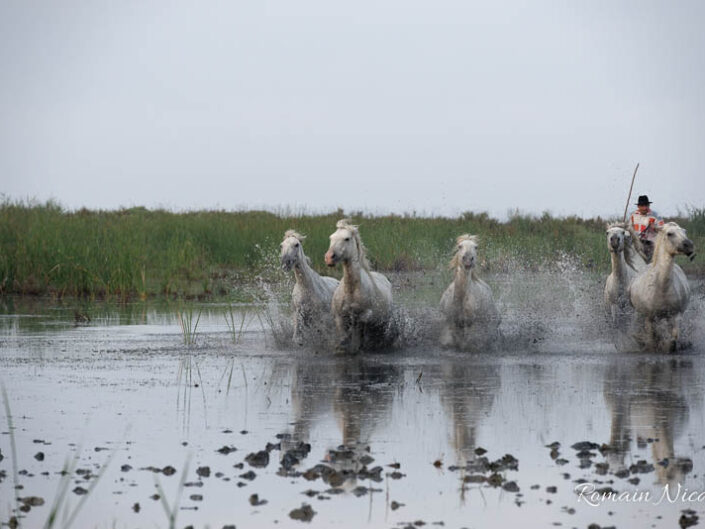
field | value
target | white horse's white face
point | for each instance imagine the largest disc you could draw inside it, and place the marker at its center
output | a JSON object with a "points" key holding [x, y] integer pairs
{"points": [[342, 247], [466, 253], [675, 240], [291, 253], [617, 238]]}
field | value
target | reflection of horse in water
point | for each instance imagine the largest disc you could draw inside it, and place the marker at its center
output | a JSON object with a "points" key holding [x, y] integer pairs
{"points": [[362, 401], [467, 394], [648, 405], [358, 391]]}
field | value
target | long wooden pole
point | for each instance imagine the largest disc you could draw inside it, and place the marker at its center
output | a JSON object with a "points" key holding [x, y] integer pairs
{"points": [[626, 207]]}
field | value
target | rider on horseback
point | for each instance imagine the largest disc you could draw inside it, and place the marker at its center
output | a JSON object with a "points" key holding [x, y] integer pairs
{"points": [[644, 221]]}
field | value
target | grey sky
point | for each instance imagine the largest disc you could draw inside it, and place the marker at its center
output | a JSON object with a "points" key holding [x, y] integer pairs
{"points": [[403, 105]]}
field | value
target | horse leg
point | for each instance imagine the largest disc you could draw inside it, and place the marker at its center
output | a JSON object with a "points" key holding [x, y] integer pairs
{"points": [[342, 325], [651, 340], [674, 322], [356, 334], [447, 335], [299, 325]]}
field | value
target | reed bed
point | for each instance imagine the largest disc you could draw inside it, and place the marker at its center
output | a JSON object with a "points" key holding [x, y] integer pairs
{"points": [[139, 253]]}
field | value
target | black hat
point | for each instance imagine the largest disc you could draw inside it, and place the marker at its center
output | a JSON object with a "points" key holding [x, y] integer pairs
{"points": [[643, 201]]}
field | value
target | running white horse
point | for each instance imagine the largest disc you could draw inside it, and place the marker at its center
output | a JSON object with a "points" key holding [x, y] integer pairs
{"points": [[312, 294], [661, 292], [362, 303], [471, 318], [626, 262]]}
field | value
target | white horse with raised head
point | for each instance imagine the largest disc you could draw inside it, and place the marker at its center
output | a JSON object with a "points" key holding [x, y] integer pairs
{"points": [[312, 294], [661, 292], [471, 317], [362, 303], [626, 263]]}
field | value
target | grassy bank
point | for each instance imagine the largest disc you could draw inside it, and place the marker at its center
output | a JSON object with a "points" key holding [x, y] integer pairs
{"points": [[137, 252]]}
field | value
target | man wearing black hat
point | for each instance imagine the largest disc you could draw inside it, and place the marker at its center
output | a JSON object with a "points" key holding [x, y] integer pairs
{"points": [[644, 220]]}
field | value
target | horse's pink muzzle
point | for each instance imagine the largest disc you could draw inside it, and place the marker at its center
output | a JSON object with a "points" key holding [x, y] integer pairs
{"points": [[330, 258]]}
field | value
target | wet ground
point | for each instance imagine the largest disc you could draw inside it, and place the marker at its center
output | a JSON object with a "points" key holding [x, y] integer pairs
{"points": [[237, 429]]}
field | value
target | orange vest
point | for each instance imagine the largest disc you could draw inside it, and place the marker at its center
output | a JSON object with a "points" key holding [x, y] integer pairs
{"points": [[642, 222]]}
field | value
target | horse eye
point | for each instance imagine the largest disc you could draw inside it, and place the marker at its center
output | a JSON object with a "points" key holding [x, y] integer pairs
{"points": [[347, 238], [296, 245]]}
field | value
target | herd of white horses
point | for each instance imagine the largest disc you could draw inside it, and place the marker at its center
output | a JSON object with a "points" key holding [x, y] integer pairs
{"points": [[646, 300]]}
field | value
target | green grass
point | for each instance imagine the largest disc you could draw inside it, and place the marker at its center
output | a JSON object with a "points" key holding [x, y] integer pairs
{"points": [[139, 253]]}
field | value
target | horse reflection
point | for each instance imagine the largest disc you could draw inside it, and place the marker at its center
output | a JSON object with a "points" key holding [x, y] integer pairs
{"points": [[467, 395], [648, 405], [358, 392], [362, 401]]}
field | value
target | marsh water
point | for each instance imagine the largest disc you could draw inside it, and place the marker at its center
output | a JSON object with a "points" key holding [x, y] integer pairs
{"points": [[238, 428]]}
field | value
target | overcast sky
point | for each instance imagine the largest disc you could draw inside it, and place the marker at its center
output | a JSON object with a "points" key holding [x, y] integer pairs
{"points": [[435, 106]]}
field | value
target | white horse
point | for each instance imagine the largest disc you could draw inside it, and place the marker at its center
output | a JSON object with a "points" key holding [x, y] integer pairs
{"points": [[626, 262], [362, 303], [661, 292], [312, 294], [471, 318]]}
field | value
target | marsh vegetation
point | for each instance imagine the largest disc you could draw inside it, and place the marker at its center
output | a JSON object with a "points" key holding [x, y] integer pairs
{"points": [[138, 253]]}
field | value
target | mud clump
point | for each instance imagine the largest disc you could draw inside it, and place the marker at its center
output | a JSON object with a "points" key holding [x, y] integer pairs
{"points": [[203, 472], [641, 467], [511, 486], [32, 501], [255, 500], [688, 518], [29, 502], [585, 445], [303, 514], [259, 459], [293, 456]]}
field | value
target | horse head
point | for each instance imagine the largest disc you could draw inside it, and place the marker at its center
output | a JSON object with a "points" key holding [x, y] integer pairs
{"points": [[345, 245], [617, 238], [673, 240], [465, 252], [292, 252]]}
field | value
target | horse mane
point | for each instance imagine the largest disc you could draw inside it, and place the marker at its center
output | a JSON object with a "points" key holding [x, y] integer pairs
{"points": [[464, 237], [346, 224], [294, 233]]}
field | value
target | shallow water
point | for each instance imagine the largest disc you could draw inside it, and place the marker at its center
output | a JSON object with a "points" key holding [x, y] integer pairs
{"points": [[124, 396]]}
